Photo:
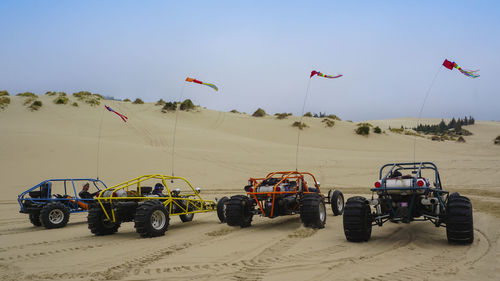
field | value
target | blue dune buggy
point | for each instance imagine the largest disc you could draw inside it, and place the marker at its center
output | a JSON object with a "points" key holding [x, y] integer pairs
{"points": [[407, 198], [50, 202]]}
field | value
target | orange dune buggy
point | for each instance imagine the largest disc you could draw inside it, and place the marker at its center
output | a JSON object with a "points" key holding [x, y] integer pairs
{"points": [[280, 194]]}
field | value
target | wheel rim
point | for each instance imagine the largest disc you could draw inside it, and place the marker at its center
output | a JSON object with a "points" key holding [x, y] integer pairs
{"points": [[158, 219], [56, 216], [322, 212], [340, 203]]}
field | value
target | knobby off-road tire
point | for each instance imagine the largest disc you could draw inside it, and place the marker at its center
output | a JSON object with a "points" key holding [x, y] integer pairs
{"points": [[357, 219], [221, 209], [54, 215], [187, 217], [312, 210], [151, 219], [337, 203], [239, 211], [35, 219], [99, 223], [459, 220]]}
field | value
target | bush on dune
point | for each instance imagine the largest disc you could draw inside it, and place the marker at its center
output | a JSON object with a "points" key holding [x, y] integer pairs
{"points": [[4, 93], [126, 100], [161, 102], [187, 105], [308, 114], [234, 111], [88, 97], [283, 115], [138, 101], [169, 106], [36, 105], [259, 113], [497, 140], [300, 125], [61, 100], [328, 122], [27, 95], [363, 130], [4, 102], [377, 130], [75, 104]]}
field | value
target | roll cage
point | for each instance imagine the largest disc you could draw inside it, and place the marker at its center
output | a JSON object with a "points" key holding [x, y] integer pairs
{"points": [[183, 203], [46, 195]]}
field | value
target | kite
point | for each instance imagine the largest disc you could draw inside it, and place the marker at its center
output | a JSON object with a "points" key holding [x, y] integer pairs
{"points": [[314, 72], [123, 117], [451, 64], [202, 83]]}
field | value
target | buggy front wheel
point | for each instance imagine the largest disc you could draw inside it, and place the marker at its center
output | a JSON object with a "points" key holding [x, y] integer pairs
{"points": [[54, 215], [312, 210], [337, 202]]}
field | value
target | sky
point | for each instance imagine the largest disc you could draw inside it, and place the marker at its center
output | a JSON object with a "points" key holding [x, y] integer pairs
{"points": [[260, 54]]}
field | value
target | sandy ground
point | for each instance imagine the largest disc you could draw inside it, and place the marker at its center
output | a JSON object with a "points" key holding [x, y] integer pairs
{"points": [[219, 152]]}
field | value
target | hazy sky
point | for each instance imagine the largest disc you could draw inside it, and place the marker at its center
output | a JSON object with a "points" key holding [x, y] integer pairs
{"points": [[260, 53]]}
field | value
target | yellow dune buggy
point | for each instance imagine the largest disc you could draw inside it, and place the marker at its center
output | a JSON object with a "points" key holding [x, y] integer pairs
{"points": [[149, 208]]}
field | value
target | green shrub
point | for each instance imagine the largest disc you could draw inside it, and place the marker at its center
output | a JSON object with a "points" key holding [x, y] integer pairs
{"points": [[4, 93], [27, 94], [308, 114], [283, 115], [138, 101], [377, 130], [75, 104], [61, 100], [187, 105], [29, 100], [35, 105], [88, 97], [460, 139], [234, 111], [169, 106], [300, 125], [397, 130], [160, 102], [364, 124], [93, 101], [49, 93], [363, 130], [4, 102], [334, 117], [497, 140], [82, 95], [328, 122], [126, 100], [259, 113]]}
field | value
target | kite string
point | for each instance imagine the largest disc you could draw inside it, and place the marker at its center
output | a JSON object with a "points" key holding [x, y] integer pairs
{"points": [[175, 126], [99, 142], [422, 108], [300, 124]]}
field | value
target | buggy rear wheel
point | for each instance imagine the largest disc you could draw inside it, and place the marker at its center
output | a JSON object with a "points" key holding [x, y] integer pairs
{"points": [[357, 219], [151, 219], [239, 211], [99, 223], [459, 220], [337, 202], [312, 210], [221, 209], [54, 215], [35, 219], [186, 217]]}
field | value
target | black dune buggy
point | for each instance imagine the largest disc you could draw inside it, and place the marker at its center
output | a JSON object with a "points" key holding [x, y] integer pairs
{"points": [[407, 198]]}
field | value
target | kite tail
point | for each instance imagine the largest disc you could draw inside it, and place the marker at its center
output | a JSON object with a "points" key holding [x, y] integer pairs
{"points": [[211, 86], [469, 73]]}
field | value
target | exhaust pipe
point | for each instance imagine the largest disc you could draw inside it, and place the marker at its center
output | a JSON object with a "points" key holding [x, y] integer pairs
{"points": [[429, 201]]}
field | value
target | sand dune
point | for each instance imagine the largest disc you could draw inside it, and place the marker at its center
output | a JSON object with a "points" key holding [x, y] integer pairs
{"points": [[219, 151]]}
